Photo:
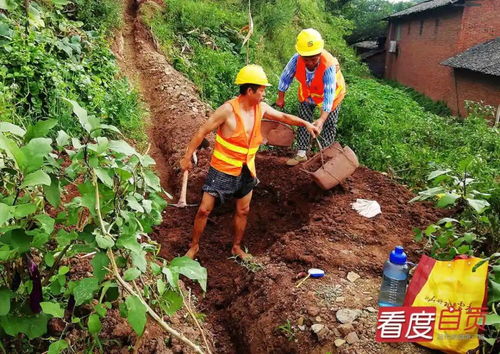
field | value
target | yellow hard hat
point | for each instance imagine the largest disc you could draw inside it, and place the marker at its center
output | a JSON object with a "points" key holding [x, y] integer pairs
{"points": [[252, 74], [309, 42]]}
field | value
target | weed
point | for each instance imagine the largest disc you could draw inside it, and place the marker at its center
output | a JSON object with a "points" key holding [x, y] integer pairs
{"points": [[287, 330]]}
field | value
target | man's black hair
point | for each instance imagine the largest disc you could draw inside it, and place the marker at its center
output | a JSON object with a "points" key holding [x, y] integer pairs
{"points": [[244, 88]]}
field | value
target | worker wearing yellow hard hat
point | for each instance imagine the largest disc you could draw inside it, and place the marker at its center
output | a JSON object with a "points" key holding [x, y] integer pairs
{"points": [[232, 172], [321, 83]]}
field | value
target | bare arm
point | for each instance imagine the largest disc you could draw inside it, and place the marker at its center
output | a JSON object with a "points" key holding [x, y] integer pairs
{"points": [[214, 121], [276, 115]]}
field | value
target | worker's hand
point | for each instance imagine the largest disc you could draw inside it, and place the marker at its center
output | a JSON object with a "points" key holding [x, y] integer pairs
{"points": [[312, 129], [319, 125], [280, 102], [186, 163]]}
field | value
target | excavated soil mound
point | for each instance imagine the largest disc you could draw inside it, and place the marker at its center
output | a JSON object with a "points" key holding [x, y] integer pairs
{"points": [[293, 225]]}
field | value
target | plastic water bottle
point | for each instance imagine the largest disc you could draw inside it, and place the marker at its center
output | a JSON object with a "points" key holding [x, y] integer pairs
{"points": [[393, 289]]}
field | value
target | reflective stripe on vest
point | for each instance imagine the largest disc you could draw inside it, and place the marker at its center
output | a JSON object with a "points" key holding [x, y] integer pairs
{"points": [[316, 89], [230, 154]]}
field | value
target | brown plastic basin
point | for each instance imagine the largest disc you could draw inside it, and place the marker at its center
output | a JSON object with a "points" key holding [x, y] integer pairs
{"points": [[277, 133], [338, 164]]}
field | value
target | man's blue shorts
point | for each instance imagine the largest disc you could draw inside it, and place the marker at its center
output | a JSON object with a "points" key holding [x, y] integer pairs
{"points": [[225, 187]]}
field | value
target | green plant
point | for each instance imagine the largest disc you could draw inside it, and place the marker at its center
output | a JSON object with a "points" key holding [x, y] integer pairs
{"points": [[479, 109], [64, 197], [287, 330], [53, 56], [450, 237], [492, 334]]}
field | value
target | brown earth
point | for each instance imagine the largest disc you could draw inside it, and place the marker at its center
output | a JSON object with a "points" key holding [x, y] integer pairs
{"points": [[293, 226]]}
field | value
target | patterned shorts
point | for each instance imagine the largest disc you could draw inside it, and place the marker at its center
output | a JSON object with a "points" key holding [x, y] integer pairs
{"points": [[224, 187]]}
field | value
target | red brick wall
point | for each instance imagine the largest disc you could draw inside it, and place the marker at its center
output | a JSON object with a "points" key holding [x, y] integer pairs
{"points": [[417, 63], [480, 23], [477, 87]]}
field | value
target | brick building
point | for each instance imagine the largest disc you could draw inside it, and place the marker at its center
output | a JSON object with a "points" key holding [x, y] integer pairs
{"points": [[447, 49]]}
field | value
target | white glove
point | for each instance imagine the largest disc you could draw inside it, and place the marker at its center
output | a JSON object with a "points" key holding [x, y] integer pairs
{"points": [[367, 208]]}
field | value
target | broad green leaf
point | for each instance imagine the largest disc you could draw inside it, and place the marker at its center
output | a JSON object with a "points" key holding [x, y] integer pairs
{"points": [[155, 268], [17, 239], [133, 204], [22, 210], [104, 241], [446, 220], [129, 241], [437, 173], [64, 238], [172, 277], [35, 179], [490, 341], [11, 128], [111, 127], [46, 222], [139, 260], [60, 3], [191, 269], [84, 290], [161, 286], [85, 121], [62, 138], [52, 308], [479, 205], [492, 319], [12, 150], [35, 16], [493, 292], [99, 264], [171, 302], [152, 180], [136, 314], [36, 150], [33, 326], [57, 347], [447, 199], [87, 191], [430, 229], [4, 213], [5, 295], [53, 192], [131, 274], [8, 5], [94, 324], [40, 129], [121, 147], [104, 176]]}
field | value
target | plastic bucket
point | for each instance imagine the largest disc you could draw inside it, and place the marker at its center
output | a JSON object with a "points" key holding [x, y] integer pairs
{"points": [[276, 133], [331, 166]]}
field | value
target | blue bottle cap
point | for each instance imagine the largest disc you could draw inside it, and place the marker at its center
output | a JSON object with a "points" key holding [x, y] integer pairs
{"points": [[398, 256], [316, 273]]}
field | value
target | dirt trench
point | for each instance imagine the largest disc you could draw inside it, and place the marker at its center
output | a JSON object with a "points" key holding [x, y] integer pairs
{"points": [[293, 225]]}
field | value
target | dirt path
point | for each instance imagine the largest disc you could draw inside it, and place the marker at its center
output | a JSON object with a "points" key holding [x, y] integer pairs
{"points": [[293, 226]]}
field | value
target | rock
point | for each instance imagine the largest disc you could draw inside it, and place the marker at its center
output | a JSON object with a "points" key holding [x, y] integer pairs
{"points": [[300, 321], [347, 315], [345, 329], [340, 299], [337, 332], [317, 319], [317, 327], [370, 309], [302, 327], [324, 334], [313, 311], [352, 338], [352, 276], [339, 342]]}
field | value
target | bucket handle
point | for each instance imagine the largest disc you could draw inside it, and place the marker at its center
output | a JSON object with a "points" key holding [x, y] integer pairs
{"points": [[322, 158]]}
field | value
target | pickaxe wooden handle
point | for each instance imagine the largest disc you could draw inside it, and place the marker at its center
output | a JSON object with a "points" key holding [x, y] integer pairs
{"points": [[182, 200]]}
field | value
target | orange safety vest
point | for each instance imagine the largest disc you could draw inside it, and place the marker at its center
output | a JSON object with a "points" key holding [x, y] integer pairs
{"points": [[316, 89], [230, 154]]}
